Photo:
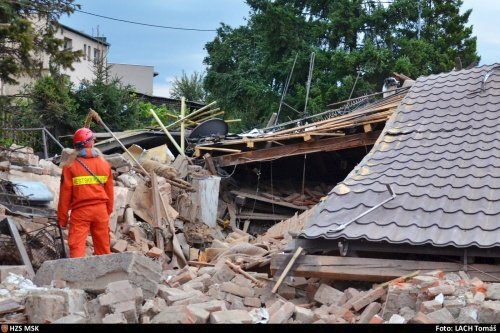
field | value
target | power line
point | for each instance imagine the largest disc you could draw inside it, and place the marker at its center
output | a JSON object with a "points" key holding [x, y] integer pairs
{"points": [[144, 24]]}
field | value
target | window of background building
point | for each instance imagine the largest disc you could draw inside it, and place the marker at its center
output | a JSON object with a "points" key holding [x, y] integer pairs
{"points": [[68, 43], [88, 52], [97, 55], [84, 51]]}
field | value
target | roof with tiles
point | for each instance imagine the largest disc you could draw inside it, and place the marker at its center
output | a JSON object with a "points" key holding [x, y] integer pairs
{"points": [[440, 152]]}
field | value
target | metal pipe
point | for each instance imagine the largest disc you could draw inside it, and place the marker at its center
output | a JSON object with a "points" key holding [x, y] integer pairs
{"points": [[44, 141], [342, 226]]}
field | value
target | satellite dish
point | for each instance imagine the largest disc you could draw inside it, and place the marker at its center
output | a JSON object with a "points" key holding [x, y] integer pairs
{"points": [[211, 128]]}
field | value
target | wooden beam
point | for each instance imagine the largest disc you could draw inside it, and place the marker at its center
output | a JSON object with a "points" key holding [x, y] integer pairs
{"points": [[210, 164], [198, 150], [367, 128], [261, 198], [262, 216], [20, 247], [287, 269], [325, 145], [376, 270]]}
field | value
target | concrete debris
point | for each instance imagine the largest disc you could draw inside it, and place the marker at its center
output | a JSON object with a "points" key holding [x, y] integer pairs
{"points": [[95, 273]]}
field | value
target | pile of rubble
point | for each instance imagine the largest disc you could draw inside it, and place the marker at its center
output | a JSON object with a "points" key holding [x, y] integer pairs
{"points": [[170, 266], [130, 288]]}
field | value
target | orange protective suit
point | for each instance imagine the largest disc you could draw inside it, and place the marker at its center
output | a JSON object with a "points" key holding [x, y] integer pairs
{"points": [[90, 202]]}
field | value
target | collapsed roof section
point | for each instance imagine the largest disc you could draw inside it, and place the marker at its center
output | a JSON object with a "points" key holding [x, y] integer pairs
{"points": [[440, 153]]}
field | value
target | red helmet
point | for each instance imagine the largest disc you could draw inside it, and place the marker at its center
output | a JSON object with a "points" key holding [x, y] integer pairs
{"points": [[83, 138]]}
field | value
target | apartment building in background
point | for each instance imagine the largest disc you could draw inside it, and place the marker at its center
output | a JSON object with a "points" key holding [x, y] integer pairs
{"points": [[93, 49]]}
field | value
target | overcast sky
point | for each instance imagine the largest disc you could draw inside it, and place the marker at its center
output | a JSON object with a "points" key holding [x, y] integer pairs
{"points": [[172, 51]]}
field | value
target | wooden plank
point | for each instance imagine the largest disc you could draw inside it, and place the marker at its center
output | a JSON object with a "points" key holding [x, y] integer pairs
{"points": [[287, 269], [210, 163], [246, 225], [262, 216], [375, 270], [263, 199], [20, 247], [325, 145], [367, 128]]}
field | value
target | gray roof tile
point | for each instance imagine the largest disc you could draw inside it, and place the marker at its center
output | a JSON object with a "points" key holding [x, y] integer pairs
{"points": [[440, 152]]}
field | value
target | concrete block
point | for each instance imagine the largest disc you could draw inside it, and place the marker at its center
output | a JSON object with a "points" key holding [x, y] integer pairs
{"points": [[407, 313], [489, 312], [120, 291], [120, 246], [114, 318], [71, 319], [478, 298], [351, 293], [328, 295], [168, 316], [368, 313], [253, 302], [95, 273], [468, 315], [74, 299], [95, 311], [193, 285], [154, 252], [442, 316], [128, 309], [183, 277], [493, 292], [286, 292], [430, 306], [211, 306], [240, 280], [421, 318], [223, 274], [18, 270], [215, 292], [232, 288], [445, 289], [230, 317], [304, 315], [283, 314], [207, 270], [153, 306], [201, 315], [396, 319], [399, 296], [274, 307], [425, 281], [174, 299], [44, 308], [454, 305], [235, 302]]}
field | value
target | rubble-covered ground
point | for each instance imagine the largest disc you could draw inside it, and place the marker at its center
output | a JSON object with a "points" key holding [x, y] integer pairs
{"points": [[169, 267]]}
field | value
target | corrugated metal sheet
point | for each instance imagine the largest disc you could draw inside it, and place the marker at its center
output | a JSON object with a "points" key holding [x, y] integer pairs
{"points": [[440, 152]]}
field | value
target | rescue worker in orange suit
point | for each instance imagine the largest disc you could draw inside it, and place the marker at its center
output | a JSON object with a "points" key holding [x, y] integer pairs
{"points": [[87, 191]]}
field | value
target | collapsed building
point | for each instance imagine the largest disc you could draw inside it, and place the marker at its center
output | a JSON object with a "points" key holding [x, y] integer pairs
{"points": [[396, 222]]}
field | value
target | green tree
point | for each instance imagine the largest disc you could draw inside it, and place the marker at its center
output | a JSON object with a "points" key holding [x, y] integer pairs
{"points": [[53, 105], [357, 43], [112, 100], [190, 87], [27, 30]]}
